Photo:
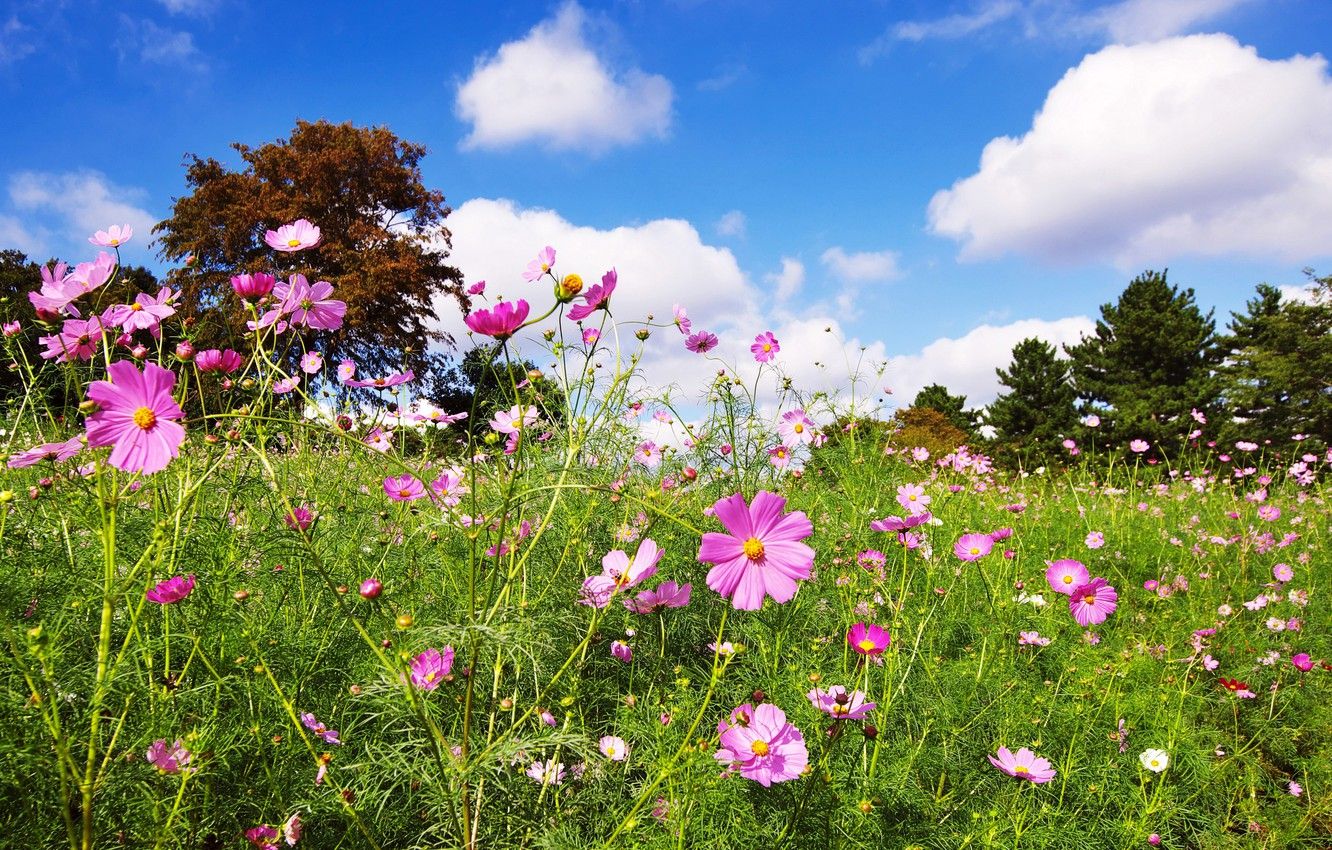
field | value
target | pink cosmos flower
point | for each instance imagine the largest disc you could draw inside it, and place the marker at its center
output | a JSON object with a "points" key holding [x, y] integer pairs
{"points": [[701, 342], [477, 288], [300, 518], [913, 498], [262, 836], [169, 759], [404, 488], [973, 547], [622, 651], [765, 347], [620, 572], [286, 385], [762, 555], [613, 747], [501, 321], [547, 773], [514, 420], [1095, 540], [1246, 445], [868, 639], [1066, 575], [327, 735], [146, 313], [666, 595], [308, 304], [449, 487], [78, 339], [1024, 765], [136, 415], [682, 320], [1092, 602], [779, 456], [1032, 639], [898, 524], [590, 336], [252, 287], [291, 830], [11, 329], [837, 703], [1302, 662], [113, 237], [54, 452], [297, 236], [544, 262], [346, 371], [796, 429], [597, 297], [762, 745], [171, 591], [212, 360], [1283, 572], [1238, 688], [431, 667], [312, 362], [648, 455], [1269, 513], [1139, 446], [394, 380]]}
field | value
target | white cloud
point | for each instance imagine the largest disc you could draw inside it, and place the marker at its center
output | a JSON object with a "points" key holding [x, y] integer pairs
{"points": [[80, 203], [1302, 294], [552, 88], [1133, 21], [966, 364], [157, 45], [787, 281], [188, 7], [732, 223], [724, 79], [16, 234], [16, 41], [1193, 145], [957, 26], [861, 267]]}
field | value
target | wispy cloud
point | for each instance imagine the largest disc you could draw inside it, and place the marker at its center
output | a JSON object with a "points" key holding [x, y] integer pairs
{"points": [[152, 44], [15, 41]]}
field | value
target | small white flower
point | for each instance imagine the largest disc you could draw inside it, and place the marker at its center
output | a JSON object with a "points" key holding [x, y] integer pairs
{"points": [[1155, 760]]}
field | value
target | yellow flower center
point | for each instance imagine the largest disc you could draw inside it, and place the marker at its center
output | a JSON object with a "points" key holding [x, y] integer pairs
{"points": [[799, 428], [767, 346], [1022, 768], [115, 242], [1156, 762], [867, 645], [840, 709], [430, 677], [1068, 579], [306, 303], [136, 307], [1089, 599], [759, 748], [145, 418], [975, 550], [753, 548], [292, 243]]}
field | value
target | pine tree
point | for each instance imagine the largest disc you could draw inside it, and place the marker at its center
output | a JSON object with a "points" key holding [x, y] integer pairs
{"points": [[1149, 363], [1038, 412], [1278, 370], [937, 397]]}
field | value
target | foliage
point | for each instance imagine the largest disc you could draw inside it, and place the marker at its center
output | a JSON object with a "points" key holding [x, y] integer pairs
{"points": [[937, 397], [1037, 412], [1148, 364], [383, 243], [927, 427]]}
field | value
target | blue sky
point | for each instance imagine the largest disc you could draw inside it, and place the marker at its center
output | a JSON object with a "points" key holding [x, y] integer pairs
{"points": [[791, 166]]}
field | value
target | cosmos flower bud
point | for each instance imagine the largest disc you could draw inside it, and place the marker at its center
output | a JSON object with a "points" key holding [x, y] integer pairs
{"points": [[371, 588], [569, 286]]}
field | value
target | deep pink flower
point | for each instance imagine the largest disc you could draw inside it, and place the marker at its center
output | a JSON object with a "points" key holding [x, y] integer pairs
{"points": [[396, 379], [252, 287], [309, 304], [1302, 661], [765, 347], [762, 745], [404, 488], [701, 342], [868, 639], [762, 555], [371, 588], [431, 667], [136, 415], [297, 236], [898, 524], [501, 321], [973, 547], [212, 360], [1066, 575], [666, 595], [544, 262], [1024, 765], [1092, 602], [477, 288], [169, 759], [779, 456], [597, 297], [171, 591], [300, 518], [113, 237], [262, 836], [327, 735], [837, 703], [78, 339], [54, 452], [622, 651]]}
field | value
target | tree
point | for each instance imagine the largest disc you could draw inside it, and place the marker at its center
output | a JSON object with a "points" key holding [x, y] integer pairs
{"points": [[1278, 370], [484, 383], [937, 397], [1149, 363], [383, 245], [1038, 411], [928, 427]]}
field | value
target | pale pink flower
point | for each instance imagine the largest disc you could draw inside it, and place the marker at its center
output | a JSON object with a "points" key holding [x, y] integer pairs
{"points": [[297, 236], [113, 237]]}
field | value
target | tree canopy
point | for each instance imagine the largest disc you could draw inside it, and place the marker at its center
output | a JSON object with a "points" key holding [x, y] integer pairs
{"points": [[937, 397], [383, 245], [1037, 412]]}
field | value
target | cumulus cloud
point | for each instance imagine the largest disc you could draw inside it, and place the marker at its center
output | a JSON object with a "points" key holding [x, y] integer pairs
{"points": [[550, 87], [74, 205], [1193, 145], [788, 281], [862, 266], [966, 364], [14, 233], [1132, 21]]}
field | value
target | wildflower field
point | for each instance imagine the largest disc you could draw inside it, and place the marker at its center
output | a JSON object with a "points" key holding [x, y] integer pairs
{"points": [[253, 598]]}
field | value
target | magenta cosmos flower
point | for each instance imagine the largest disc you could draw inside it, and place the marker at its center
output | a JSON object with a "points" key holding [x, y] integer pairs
{"points": [[1066, 575], [596, 298], [169, 759], [762, 554], [1024, 765], [54, 452], [213, 360], [431, 667], [501, 321], [1092, 602], [762, 745], [309, 304], [297, 236], [839, 704], [315, 725], [136, 416], [396, 379], [701, 342], [544, 262], [620, 572], [1302, 662], [252, 287], [171, 591], [78, 339], [666, 595], [868, 639], [973, 547], [765, 347], [113, 237], [898, 524], [404, 488]]}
